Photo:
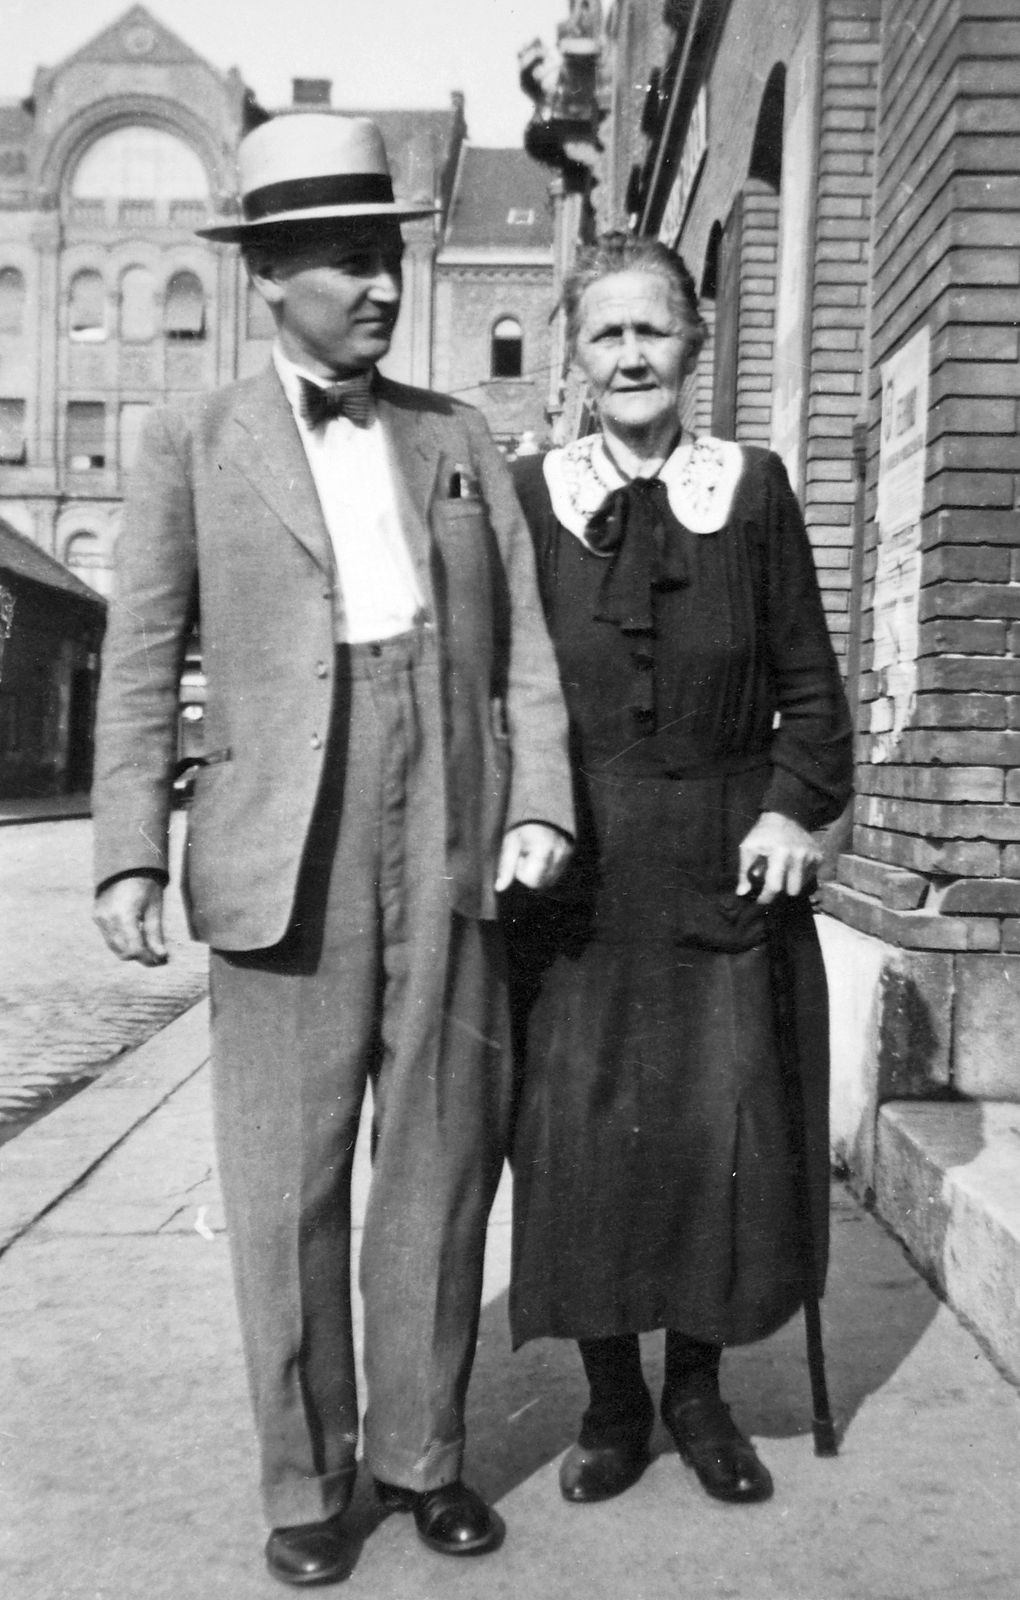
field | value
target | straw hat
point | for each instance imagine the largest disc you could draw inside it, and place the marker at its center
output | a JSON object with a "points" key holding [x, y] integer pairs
{"points": [[309, 167]]}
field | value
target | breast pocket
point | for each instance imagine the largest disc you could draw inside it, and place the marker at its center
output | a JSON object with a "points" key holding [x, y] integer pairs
{"points": [[466, 576]]}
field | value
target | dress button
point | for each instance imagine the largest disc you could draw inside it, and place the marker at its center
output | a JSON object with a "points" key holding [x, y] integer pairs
{"points": [[643, 661], [321, 669], [376, 649], [316, 741], [327, 594]]}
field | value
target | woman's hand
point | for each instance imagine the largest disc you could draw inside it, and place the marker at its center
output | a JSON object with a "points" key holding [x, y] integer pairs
{"points": [[789, 850]]}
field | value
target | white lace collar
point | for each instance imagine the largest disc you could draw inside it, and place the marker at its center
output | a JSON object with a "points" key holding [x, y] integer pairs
{"points": [[701, 477]]}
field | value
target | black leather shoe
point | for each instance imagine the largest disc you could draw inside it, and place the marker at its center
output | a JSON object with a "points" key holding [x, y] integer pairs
{"points": [[709, 1441], [311, 1552], [453, 1519], [598, 1472]]}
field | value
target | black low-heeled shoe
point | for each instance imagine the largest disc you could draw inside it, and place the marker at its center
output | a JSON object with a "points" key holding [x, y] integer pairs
{"points": [[598, 1472], [452, 1519], [709, 1440], [308, 1553]]}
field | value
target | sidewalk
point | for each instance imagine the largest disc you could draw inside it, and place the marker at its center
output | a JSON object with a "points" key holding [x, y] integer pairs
{"points": [[127, 1465]]}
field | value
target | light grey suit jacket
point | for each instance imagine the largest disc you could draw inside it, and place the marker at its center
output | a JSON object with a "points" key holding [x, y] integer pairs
{"points": [[223, 520]]}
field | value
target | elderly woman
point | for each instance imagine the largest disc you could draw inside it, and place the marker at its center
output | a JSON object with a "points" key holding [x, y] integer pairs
{"points": [[655, 1156]]}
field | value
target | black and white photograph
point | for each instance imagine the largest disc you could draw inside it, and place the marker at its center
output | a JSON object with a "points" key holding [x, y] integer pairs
{"points": [[510, 799]]}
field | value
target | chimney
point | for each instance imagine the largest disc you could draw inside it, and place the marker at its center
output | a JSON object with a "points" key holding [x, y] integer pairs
{"points": [[312, 91]]}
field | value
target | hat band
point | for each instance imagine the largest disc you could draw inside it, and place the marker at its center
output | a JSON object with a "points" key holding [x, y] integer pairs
{"points": [[306, 194]]}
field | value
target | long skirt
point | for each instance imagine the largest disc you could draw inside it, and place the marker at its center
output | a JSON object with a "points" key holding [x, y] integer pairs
{"points": [[654, 1161]]}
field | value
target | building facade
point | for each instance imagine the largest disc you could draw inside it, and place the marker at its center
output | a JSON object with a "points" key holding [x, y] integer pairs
{"points": [[51, 625], [841, 177], [109, 303], [494, 292]]}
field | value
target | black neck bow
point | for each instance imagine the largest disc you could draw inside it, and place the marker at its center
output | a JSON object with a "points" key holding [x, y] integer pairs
{"points": [[637, 529], [349, 397]]}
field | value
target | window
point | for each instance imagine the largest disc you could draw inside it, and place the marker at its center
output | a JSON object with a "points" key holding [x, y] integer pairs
{"points": [[520, 217], [12, 300], [139, 163], [132, 421], [507, 349], [86, 435], [84, 555], [87, 320], [13, 451], [137, 306], [184, 313]]}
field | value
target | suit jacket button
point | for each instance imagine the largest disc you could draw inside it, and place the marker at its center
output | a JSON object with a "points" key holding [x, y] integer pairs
{"points": [[321, 669], [316, 741]]}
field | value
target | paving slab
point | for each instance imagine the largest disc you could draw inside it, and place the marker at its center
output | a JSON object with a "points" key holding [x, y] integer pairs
{"points": [[127, 1463]]}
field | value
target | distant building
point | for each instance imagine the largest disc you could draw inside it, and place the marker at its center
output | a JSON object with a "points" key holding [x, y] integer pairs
{"points": [[494, 291], [109, 304], [51, 625]]}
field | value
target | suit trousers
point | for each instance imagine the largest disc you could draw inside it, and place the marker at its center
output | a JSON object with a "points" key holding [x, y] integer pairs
{"points": [[376, 980]]}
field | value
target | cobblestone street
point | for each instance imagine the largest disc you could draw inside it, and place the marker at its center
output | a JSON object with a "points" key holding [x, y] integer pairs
{"points": [[67, 1008]]}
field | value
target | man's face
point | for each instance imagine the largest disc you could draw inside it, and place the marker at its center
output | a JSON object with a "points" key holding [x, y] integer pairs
{"points": [[336, 299]]}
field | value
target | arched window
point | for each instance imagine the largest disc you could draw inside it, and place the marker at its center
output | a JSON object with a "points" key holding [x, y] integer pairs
{"points": [[12, 300], [184, 312], [87, 310], [766, 162], [507, 349], [84, 555], [137, 306], [139, 163]]}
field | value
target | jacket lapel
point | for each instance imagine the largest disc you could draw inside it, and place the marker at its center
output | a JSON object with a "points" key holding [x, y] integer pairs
{"points": [[266, 447]]}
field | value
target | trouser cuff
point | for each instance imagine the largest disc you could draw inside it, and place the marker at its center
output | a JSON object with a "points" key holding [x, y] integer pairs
{"points": [[301, 1500], [440, 1464]]}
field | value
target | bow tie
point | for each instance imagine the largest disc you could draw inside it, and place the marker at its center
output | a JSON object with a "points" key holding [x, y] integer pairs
{"points": [[350, 397]]}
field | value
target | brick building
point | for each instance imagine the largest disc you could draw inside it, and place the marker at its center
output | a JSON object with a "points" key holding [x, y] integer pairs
{"points": [[842, 178]]}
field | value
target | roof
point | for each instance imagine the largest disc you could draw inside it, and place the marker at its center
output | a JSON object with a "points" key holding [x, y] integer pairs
{"points": [[136, 38], [501, 201], [25, 559]]}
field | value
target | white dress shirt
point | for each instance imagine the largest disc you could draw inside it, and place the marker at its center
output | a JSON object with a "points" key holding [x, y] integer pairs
{"points": [[354, 479]]}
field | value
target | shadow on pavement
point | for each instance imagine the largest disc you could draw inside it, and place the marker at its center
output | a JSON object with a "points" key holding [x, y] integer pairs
{"points": [[525, 1409]]}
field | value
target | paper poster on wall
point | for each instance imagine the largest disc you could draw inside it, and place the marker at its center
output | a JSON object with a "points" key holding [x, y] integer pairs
{"points": [[901, 476]]}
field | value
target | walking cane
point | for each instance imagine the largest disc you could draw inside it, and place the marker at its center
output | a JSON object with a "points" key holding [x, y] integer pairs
{"points": [[781, 968]]}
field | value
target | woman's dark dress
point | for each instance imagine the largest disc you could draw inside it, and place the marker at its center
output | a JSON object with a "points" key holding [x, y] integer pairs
{"points": [[653, 1172]]}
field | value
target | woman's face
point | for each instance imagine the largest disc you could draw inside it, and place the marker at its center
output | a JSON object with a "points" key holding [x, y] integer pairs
{"points": [[635, 348]]}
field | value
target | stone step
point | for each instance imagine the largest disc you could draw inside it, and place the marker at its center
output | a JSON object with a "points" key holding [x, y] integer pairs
{"points": [[947, 1181]]}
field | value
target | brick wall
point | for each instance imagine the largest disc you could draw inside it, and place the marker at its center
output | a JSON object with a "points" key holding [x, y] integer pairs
{"points": [[936, 860], [759, 247], [848, 93]]}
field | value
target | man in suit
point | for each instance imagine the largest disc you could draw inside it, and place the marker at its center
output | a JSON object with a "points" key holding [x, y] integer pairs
{"points": [[386, 748]]}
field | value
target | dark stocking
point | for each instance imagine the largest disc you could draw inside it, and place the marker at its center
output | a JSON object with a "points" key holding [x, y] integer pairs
{"points": [[620, 1407], [692, 1367]]}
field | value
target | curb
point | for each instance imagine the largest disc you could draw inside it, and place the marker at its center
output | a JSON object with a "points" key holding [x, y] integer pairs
{"points": [[947, 1183], [43, 1164], [59, 808]]}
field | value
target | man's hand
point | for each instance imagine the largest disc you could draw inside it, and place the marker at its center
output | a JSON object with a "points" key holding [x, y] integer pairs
{"points": [[534, 854], [129, 914], [790, 851]]}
